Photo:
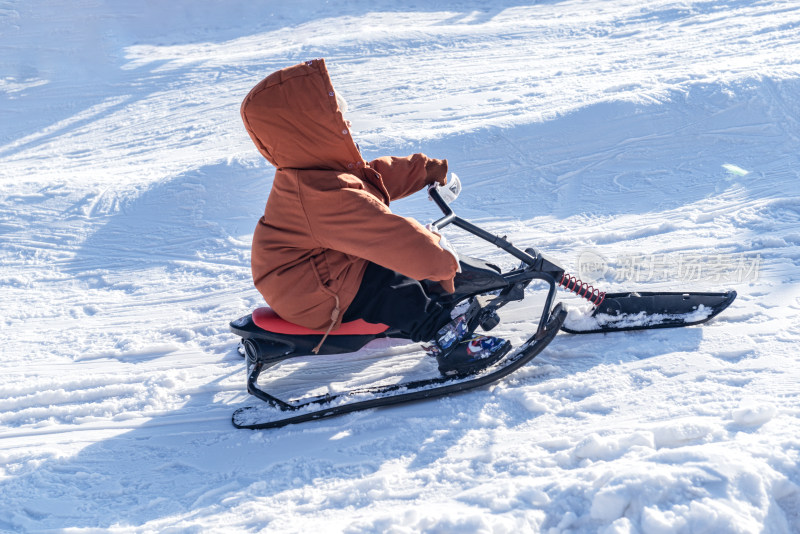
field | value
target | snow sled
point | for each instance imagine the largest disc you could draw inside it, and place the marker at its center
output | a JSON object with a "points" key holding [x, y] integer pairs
{"points": [[267, 340]]}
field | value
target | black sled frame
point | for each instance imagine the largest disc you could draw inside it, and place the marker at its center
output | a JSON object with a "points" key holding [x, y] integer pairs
{"points": [[479, 281]]}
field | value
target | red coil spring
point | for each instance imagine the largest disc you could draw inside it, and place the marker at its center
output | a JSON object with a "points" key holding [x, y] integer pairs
{"points": [[582, 289]]}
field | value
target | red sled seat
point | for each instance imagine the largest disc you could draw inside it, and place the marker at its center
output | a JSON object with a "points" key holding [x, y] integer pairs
{"points": [[268, 320]]}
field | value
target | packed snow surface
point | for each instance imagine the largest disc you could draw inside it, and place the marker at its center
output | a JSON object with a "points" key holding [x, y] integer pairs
{"points": [[583, 318], [642, 145]]}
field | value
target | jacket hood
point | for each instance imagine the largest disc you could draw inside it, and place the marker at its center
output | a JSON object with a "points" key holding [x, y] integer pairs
{"points": [[293, 118]]}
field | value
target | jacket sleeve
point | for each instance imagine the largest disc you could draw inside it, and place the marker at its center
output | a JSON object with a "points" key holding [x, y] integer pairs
{"points": [[404, 176], [354, 222]]}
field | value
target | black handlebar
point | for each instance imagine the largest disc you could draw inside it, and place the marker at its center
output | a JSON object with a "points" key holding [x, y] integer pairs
{"points": [[537, 265], [450, 217], [449, 214]]}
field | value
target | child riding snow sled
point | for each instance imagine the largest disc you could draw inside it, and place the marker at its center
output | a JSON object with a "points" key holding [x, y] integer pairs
{"points": [[328, 248]]}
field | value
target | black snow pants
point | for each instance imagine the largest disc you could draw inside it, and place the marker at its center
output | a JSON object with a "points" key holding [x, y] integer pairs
{"points": [[390, 298]]}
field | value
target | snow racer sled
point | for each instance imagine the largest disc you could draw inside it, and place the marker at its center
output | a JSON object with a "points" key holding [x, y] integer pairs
{"points": [[268, 340]]}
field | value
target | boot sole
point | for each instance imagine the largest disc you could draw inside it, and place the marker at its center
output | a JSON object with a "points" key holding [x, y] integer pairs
{"points": [[474, 367]]}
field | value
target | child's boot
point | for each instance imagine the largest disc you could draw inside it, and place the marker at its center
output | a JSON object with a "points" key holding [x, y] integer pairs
{"points": [[458, 351]]}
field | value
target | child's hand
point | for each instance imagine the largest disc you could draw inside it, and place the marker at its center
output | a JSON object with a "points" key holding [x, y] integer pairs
{"points": [[445, 244], [436, 170]]}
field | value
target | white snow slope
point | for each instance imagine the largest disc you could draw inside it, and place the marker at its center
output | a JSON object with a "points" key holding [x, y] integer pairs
{"points": [[656, 141]]}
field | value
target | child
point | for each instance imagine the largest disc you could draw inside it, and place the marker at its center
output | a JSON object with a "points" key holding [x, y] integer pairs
{"points": [[328, 249]]}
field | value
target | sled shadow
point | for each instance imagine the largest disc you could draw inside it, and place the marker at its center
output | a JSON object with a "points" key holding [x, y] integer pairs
{"points": [[383, 361], [165, 474]]}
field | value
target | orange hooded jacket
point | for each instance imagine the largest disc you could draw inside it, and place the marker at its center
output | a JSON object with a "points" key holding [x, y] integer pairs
{"points": [[328, 214]]}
